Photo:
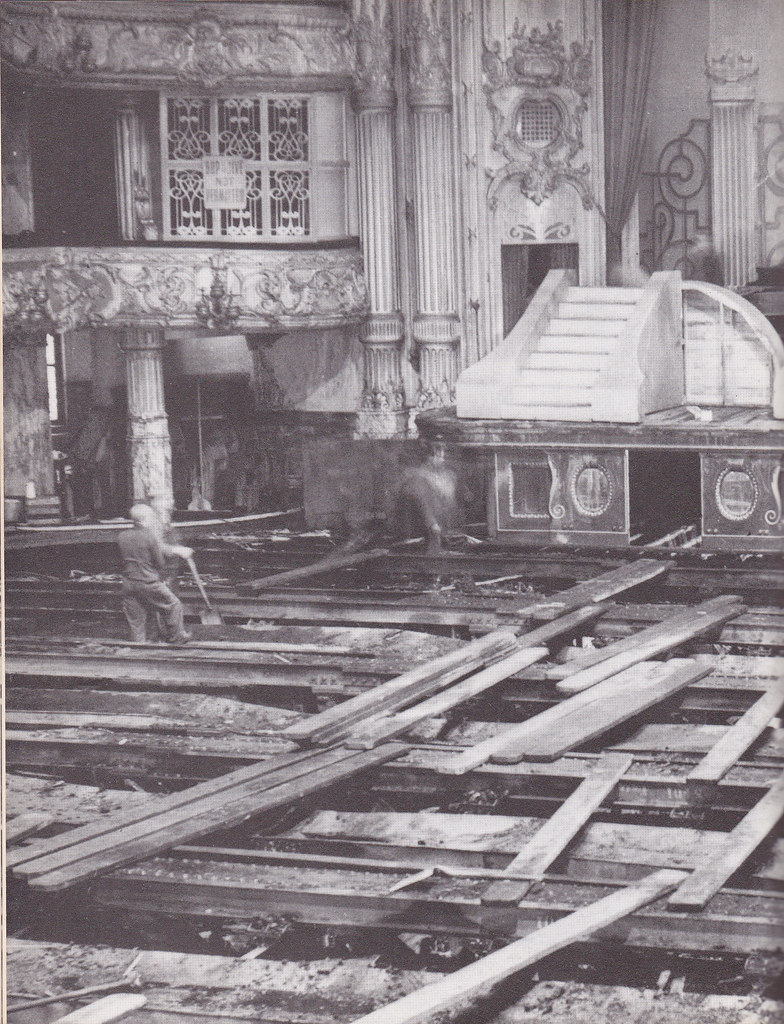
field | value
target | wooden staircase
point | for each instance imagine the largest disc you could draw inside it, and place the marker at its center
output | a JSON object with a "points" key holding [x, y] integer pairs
{"points": [[583, 354]]}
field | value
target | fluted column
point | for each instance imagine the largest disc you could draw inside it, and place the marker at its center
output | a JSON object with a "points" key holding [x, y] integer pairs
{"points": [[732, 97], [383, 400], [436, 323], [149, 445], [132, 174]]}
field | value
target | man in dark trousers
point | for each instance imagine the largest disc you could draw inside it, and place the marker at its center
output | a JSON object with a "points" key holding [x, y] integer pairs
{"points": [[144, 571]]}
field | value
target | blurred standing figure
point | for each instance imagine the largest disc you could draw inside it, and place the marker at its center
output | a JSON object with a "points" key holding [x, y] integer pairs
{"points": [[427, 499], [144, 591]]}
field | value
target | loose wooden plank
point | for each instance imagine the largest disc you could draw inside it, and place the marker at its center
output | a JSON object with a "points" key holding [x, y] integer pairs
{"points": [[610, 690], [649, 643], [738, 845], [138, 815], [456, 991], [225, 814], [559, 830], [378, 729], [328, 564], [528, 651], [600, 588], [24, 825], [262, 646], [646, 686], [738, 738], [105, 1010], [420, 681]]}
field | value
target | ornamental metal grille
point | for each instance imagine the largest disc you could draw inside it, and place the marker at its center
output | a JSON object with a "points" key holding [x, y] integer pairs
{"points": [[268, 139], [538, 123]]}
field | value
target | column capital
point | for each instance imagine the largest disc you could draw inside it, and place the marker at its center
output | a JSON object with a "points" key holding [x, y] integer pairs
{"points": [[428, 44], [141, 337], [371, 27]]}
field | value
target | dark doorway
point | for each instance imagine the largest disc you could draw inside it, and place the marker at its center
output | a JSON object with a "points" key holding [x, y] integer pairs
{"points": [[524, 267]]}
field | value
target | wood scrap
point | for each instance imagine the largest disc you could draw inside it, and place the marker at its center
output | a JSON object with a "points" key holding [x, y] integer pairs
{"points": [[557, 832], [737, 846], [600, 588], [738, 738], [328, 564], [659, 639], [613, 695], [105, 1010], [455, 992], [24, 825], [397, 693]]}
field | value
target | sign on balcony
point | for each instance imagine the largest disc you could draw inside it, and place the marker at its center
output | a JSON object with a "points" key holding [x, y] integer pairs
{"points": [[225, 183]]}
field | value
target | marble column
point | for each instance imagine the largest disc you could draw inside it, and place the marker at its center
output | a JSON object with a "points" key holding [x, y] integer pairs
{"points": [[27, 433], [149, 445], [732, 98], [436, 327], [382, 412], [132, 173]]}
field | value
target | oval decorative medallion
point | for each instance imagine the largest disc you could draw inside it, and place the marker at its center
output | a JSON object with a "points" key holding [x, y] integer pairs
{"points": [[592, 490], [737, 494]]}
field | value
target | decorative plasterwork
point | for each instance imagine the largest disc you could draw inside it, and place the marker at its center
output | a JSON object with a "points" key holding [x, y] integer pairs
{"points": [[732, 66], [139, 285], [428, 41], [159, 43], [371, 28], [539, 87]]}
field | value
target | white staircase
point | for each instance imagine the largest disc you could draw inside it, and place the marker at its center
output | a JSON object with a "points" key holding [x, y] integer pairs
{"points": [[571, 356], [582, 354]]}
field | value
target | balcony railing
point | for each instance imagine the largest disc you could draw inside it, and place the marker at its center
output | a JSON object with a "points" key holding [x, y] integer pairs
{"points": [[269, 290]]}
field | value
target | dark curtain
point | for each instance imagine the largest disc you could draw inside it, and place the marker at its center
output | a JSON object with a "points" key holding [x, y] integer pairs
{"points": [[629, 34]]}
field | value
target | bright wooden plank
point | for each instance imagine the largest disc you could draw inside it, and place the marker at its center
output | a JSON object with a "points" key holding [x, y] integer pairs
{"points": [[657, 640], [24, 825], [559, 830], [738, 845], [403, 689], [610, 689], [576, 726], [103, 1011], [600, 588], [225, 815], [379, 729], [455, 992], [738, 738]]}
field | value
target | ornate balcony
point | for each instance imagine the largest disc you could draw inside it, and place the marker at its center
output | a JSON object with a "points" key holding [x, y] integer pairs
{"points": [[263, 289]]}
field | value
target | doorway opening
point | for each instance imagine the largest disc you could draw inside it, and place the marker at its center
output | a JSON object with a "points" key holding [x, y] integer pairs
{"points": [[665, 503], [524, 267]]}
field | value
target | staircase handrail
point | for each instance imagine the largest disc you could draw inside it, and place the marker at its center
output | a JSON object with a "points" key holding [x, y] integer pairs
{"points": [[760, 325]]}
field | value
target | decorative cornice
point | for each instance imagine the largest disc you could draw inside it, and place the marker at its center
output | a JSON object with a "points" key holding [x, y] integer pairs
{"points": [[159, 286], [374, 87], [428, 61], [118, 43]]}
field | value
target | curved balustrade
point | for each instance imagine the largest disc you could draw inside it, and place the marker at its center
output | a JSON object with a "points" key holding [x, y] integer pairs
{"points": [[75, 287], [761, 329]]}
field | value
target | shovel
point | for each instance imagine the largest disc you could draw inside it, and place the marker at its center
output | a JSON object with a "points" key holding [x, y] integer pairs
{"points": [[210, 617]]}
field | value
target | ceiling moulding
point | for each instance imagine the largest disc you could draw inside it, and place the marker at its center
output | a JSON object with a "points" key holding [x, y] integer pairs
{"points": [[187, 45], [90, 287]]}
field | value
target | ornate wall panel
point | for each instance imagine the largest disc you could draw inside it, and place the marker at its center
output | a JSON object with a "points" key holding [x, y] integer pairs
{"points": [[742, 497], [117, 43], [770, 194], [94, 286]]}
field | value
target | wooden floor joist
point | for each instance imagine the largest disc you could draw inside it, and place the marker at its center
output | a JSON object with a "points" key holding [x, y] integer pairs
{"points": [[600, 588], [328, 564], [457, 991]]}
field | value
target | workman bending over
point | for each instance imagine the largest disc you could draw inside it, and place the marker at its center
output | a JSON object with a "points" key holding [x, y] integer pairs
{"points": [[144, 571]]}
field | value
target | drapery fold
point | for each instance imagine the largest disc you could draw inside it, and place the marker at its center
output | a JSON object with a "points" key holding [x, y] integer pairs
{"points": [[629, 33]]}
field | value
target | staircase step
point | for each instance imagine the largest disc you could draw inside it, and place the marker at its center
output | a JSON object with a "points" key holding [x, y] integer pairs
{"points": [[585, 344], [577, 294], [523, 411], [607, 327], [549, 359], [550, 377], [595, 310]]}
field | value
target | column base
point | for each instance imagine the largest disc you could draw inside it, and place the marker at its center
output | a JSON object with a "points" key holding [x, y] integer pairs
{"points": [[382, 424]]}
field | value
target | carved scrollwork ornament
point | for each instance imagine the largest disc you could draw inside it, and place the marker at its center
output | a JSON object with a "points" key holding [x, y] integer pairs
{"points": [[538, 97], [556, 508], [773, 515]]}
